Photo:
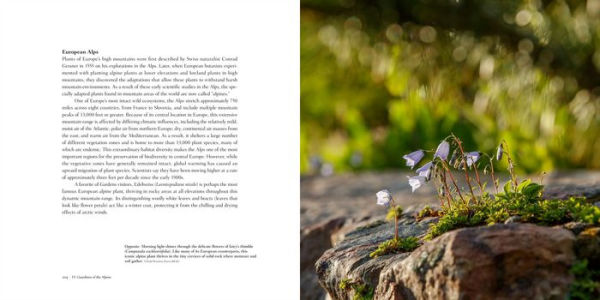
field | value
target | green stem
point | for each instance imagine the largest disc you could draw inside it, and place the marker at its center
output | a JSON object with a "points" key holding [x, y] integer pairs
{"points": [[477, 178], [492, 173], [453, 180], [440, 196], [462, 153], [396, 227], [511, 167]]}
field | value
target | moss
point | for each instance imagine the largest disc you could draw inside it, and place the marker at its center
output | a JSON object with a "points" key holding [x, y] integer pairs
{"points": [[345, 284], [393, 212], [362, 291], [525, 202], [587, 282], [427, 211], [396, 246]]}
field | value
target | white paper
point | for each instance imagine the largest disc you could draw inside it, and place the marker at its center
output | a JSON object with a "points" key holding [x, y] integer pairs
{"points": [[41, 249]]}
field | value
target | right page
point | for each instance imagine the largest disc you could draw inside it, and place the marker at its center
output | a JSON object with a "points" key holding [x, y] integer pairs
{"points": [[450, 149]]}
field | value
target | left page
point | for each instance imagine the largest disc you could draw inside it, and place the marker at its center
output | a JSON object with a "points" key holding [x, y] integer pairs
{"points": [[149, 150]]}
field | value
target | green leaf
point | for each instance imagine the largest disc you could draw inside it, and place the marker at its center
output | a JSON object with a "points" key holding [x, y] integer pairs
{"points": [[533, 190], [393, 212], [507, 187], [523, 184]]}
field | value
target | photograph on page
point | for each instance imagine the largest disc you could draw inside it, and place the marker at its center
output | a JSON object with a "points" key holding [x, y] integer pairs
{"points": [[450, 149]]}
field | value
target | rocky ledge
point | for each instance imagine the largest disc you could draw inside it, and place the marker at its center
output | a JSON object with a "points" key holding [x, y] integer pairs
{"points": [[503, 261]]}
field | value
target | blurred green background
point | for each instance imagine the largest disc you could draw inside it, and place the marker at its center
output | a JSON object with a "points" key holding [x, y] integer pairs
{"points": [[381, 78]]}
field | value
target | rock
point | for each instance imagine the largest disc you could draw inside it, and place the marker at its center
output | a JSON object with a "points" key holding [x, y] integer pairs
{"points": [[340, 235], [314, 240], [309, 286], [575, 227], [565, 191], [350, 258], [352, 195], [587, 245], [513, 219], [513, 261], [504, 261]]}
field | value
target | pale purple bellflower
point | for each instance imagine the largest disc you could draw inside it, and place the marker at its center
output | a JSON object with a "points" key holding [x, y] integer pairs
{"points": [[413, 158], [499, 152], [384, 197], [442, 150], [425, 171], [415, 182], [472, 158]]}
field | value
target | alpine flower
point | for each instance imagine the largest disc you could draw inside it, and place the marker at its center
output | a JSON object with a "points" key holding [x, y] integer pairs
{"points": [[413, 158], [442, 150], [425, 171], [472, 158], [384, 197], [415, 182], [499, 152]]}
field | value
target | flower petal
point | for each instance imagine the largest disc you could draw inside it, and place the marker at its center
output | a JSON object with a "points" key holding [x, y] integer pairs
{"points": [[415, 182], [425, 170], [499, 152], [384, 197], [413, 158], [442, 150], [472, 158]]}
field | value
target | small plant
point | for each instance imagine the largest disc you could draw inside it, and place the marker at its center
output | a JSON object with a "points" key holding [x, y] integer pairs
{"points": [[384, 198], [427, 211], [397, 245], [362, 291], [345, 284], [525, 202], [586, 285], [473, 205], [439, 169]]}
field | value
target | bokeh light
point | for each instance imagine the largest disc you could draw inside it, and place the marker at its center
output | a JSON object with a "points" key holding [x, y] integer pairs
{"points": [[381, 78]]}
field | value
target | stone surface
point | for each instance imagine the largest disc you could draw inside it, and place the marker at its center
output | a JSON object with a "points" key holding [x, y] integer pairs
{"points": [[350, 258], [314, 240], [513, 261], [591, 192], [409, 218], [513, 219], [587, 246], [309, 286], [575, 227], [351, 196]]}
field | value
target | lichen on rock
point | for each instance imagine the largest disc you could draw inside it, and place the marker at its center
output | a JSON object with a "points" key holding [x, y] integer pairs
{"points": [[503, 261], [350, 259]]}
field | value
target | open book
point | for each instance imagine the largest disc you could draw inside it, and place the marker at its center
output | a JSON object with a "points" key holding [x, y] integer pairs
{"points": [[312, 149]]}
